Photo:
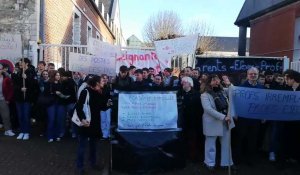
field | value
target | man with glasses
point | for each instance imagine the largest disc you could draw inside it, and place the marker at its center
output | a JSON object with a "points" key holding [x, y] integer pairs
{"points": [[247, 129]]}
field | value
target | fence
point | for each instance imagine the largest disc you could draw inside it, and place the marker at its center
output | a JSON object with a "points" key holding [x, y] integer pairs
{"points": [[295, 65], [59, 53]]}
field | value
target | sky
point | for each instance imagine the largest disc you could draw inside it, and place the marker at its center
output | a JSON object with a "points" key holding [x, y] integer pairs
{"points": [[219, 14]]}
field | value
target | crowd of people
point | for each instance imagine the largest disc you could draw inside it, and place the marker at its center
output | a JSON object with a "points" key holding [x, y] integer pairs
{"points": [[50, 96]]}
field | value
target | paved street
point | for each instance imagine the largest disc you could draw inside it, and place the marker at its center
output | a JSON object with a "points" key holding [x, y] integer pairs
{"points": [[37, 157]]}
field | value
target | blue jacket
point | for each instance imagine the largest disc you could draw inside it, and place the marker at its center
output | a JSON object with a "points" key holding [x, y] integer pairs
{"points": [[247, 84]]}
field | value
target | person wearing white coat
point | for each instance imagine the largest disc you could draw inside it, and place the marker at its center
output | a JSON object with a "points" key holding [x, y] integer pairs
{"points": [[216, 122]]}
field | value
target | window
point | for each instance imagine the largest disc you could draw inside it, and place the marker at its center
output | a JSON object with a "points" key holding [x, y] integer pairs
{"points": [[89, 31], [76, 27], [97, 36]]}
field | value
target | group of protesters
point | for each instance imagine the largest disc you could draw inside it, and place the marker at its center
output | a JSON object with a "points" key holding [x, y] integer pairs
{"points": [[50, 96]]}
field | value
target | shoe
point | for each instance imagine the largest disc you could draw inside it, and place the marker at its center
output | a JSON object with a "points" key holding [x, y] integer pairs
{"points": [[58, 139], [272, 157], [210, 168], [50, 140], [20, 136], [9, 133], [26, 136]]}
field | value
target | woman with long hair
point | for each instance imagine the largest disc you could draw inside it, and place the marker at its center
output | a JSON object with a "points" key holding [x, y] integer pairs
{"points": [[216, 122], [56, 109], [90, 131]]}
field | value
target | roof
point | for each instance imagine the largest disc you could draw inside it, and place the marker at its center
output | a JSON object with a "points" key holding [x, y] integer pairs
{"points": [[255, 8], [108, 5], [228, 44], [134, 41]]}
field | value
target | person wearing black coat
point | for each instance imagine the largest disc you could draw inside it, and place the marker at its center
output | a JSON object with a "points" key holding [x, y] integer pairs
{"points": [[192, 112], [25, 95], [70, 90], [90, 131]]}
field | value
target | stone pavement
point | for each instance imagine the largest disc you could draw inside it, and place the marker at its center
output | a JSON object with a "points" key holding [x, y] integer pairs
{"points": [[38, 157]]}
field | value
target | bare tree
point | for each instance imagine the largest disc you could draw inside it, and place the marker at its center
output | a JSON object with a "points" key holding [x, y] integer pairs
{"points": [[205, 31], [168, 25], [163, 25]]}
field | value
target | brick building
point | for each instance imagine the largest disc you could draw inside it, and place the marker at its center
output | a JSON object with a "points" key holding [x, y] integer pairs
{"points": [[63, 23], [274, 28]]}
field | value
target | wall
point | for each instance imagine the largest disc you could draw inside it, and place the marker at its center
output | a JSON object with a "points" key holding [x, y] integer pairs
{"points": [[21, 17], [273, 34], [59, 21]]}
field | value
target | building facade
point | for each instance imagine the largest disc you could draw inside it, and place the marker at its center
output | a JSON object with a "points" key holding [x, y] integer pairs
{"points": [[60, 23], [274, 28]]}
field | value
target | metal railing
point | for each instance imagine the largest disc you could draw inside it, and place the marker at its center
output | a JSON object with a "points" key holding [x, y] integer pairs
{"points": [[59, 53]]}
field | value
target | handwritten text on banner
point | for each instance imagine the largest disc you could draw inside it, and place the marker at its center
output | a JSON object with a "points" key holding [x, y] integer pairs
{"points": [[139, 59], [10, 46], [147, 110], [264, 103], [92, 64]]}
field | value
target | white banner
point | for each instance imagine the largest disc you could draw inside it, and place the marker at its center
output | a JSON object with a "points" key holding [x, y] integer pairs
{"points": [[103, 49], [10, 46], [92, 64], [139, 59], [147, 110], [166, 49]]}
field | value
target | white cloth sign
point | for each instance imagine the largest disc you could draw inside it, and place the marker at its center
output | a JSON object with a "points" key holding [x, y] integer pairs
{"points": [[139, 59], [147, 110], [166, 49], [92, 64], [103, 49], [10, 46]]}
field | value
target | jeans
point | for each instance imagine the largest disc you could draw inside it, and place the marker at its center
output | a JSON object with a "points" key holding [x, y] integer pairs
{"points": [[276, 136], [56, 115], [23, 110], [69, 110], [83, 140], [105, 122]]}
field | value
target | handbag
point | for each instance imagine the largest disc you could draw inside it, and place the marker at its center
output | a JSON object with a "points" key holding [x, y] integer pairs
{"points": [[86, 111], [86, 107], [75, 118]]}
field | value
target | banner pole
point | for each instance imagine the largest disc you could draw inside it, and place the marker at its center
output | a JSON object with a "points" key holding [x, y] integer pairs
{"points": [[23, 70]]}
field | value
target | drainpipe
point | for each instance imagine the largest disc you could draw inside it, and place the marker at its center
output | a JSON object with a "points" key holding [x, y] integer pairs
{"points": [[42, 20]]}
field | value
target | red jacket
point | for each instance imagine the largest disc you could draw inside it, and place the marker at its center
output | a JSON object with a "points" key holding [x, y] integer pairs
{"points": [[7, 89]]}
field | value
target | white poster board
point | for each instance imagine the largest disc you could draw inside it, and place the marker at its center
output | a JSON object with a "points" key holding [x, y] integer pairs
{"points": [[103, 49], [138, 58], [92, 64], [166, 49], [147, 110], [10, 46]]}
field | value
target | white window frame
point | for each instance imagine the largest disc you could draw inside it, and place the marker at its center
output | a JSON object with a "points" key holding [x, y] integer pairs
{"points": [[76, 12], [89, 34]]}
